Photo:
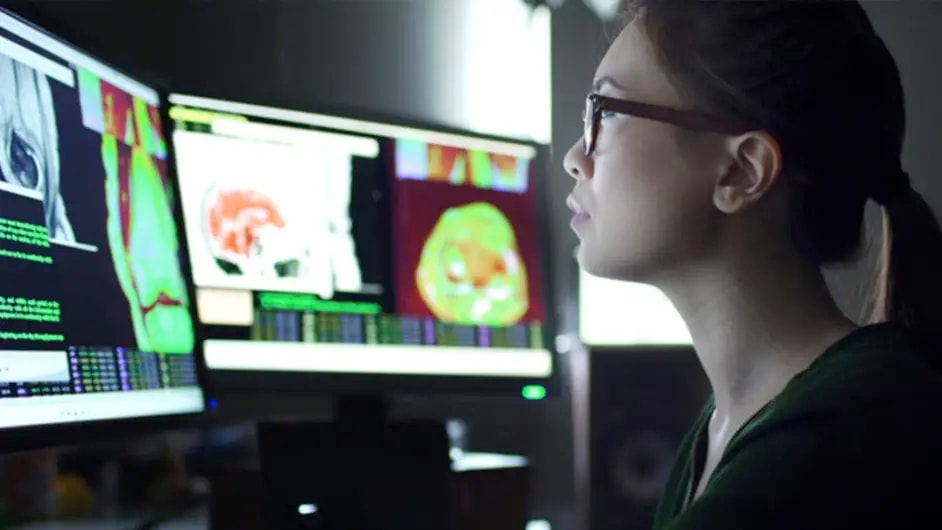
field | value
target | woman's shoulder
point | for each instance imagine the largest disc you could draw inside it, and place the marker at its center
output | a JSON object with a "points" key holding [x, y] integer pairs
{"points": [[875, 366], [845, 445], [876, 388]]}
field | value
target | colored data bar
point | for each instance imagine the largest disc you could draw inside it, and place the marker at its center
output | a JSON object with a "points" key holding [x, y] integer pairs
{"points": [[93, 370], [308, 302], [139, 371], [311, 327], [31, 390], [177, 370]]}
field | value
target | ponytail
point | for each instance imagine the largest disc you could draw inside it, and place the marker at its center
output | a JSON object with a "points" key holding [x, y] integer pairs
{"points": [[908, 288]]}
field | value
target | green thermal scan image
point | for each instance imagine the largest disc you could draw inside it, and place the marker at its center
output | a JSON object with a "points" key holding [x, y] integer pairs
{"points": [[471, 271], [144, 247]]}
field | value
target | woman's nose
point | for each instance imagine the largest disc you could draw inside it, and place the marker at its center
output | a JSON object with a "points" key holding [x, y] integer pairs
{"points": [[576, 163]]}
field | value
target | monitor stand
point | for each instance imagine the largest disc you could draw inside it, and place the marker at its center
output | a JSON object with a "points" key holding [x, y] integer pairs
{"points": [[363, 414], [360, 470]]}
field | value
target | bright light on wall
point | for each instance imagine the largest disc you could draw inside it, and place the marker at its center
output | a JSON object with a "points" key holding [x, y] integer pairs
{"points": [[604, 9], [615, 313], [505, 76]]}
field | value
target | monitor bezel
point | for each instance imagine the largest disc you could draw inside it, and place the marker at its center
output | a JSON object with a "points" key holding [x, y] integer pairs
{"points": [[262, 382], [26, 438]]}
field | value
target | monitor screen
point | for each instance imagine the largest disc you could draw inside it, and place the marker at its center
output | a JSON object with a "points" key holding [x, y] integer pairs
{"points": [[332, 245], [617, 313], [95, 317]]}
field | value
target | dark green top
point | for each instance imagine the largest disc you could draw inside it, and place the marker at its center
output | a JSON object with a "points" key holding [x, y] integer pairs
{"points": [[854, 441]]}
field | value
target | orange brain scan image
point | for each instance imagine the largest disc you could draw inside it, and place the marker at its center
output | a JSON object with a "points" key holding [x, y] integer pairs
{"points": [[243, 228]]}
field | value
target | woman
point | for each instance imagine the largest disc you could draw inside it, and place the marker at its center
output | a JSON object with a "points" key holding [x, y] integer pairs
{"points": [[729, 151]]}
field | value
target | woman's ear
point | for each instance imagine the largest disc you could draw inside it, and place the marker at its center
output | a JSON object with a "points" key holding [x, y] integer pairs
{"points": [[756, 165]]}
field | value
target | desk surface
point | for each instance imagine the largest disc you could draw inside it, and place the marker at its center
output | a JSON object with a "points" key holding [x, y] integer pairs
{"points": [[199, 519]]}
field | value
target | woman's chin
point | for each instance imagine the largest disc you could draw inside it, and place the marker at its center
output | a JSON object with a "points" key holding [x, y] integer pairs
{"points": [[609, 267], [595, 265]]}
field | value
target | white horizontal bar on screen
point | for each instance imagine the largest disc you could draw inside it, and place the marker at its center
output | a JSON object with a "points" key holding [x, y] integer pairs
{"points": [[392, 359], [366, 127], [44, 65], [96, 406], [347, 145], [77, 58]]}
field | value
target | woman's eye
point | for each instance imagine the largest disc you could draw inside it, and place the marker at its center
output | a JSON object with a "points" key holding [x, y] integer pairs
{"points": [[607, 114]]}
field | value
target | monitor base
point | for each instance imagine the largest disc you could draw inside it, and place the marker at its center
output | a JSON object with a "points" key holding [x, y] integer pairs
{"points": [[362, 413], [358, 471], [489, 492]]}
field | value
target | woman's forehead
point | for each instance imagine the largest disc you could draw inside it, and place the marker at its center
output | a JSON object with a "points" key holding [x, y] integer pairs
{"points": [[632, 66]]}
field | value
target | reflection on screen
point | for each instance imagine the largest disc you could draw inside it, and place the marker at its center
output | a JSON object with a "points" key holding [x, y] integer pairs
{"points": [[95, 303], [325, 244]]}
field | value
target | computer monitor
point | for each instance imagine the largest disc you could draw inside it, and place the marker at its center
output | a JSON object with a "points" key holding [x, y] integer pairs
{"points": [[614, 313], [96, 320], [334, 254]]}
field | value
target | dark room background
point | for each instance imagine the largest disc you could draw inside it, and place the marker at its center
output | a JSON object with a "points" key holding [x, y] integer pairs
{"points": [[443, 61]]}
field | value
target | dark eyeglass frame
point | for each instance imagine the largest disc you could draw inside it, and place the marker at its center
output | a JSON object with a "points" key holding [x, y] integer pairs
{"points": [[595, 104]]}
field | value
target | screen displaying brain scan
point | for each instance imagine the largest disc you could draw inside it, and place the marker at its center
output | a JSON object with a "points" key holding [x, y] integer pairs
{"points": [[466, 224], [96, 321], [321, 243]]}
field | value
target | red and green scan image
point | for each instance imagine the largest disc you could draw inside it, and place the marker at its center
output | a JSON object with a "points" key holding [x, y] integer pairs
{"points": [[471, 270], [234, 219], [144, 247]]}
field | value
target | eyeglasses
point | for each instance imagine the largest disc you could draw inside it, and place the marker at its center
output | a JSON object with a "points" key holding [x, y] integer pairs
{"points": [[595, 104]]}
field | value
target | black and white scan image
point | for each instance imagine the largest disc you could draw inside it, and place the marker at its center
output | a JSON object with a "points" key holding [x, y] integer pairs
{"points": [[29, 141]]}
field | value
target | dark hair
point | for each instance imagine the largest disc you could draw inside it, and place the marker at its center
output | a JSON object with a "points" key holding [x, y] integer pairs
{"points": [[817, 77]]}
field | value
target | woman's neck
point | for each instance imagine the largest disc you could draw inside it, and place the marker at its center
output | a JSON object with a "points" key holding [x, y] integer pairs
{"points": [[756, 322]]}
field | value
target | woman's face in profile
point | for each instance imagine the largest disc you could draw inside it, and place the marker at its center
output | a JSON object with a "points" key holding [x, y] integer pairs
{"points": [[646, 191]]}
